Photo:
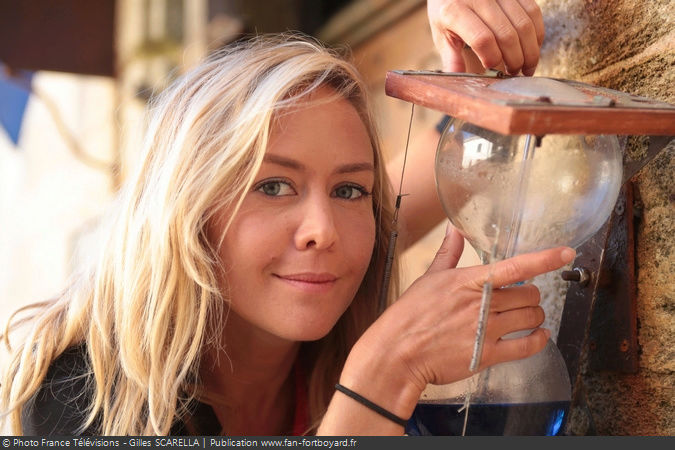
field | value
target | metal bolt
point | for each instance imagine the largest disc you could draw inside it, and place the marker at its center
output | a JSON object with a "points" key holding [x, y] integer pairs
{"points": [[570, 275], [601, 100], [578, 275], [624, 346], [537, 142]]}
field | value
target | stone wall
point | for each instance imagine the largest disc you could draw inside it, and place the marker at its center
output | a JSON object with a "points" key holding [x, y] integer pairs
{"points": [[629, 45]]}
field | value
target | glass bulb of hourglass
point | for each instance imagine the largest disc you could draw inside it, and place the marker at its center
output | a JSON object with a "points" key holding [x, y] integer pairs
{"points": [[501, 198], [509, 195]]}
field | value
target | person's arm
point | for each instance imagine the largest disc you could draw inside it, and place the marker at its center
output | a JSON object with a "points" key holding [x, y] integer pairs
{"points": [[421, 208], [500, 33], [427, 336]]}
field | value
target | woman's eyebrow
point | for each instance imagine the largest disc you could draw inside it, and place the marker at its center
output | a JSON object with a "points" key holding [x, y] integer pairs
{"points": [[355, 167], [297, 165], [283, 161]]}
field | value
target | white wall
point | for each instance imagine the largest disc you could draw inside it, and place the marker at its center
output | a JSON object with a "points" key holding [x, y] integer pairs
{"points": [[49, 199]]}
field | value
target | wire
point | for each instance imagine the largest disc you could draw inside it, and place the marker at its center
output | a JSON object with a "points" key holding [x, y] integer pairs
{"points": [[405, 157], [391, 249]]}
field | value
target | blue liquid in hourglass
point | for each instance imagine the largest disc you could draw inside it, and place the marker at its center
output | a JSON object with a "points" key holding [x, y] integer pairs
{"points": [[517, 419]]}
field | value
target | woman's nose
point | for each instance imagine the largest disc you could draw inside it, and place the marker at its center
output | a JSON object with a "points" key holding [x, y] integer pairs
{"points": [[316, 227]]}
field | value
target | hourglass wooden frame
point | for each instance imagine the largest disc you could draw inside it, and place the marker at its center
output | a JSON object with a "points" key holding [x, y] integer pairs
{"points": [[604, 284]]}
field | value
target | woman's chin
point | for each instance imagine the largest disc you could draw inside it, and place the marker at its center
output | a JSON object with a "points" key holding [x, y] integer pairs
{"points": [[306, 332]]}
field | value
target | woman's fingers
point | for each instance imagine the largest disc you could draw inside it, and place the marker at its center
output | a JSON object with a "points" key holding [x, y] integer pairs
{"points": [[506, 322], [532, 9], [431, 330], [450, 251], [519, 348], [527, 50], [506, 299], [527, 266], [454, 23], [499, 29], [500, 32]]}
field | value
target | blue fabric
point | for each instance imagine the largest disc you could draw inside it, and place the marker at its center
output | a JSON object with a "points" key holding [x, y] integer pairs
{"points": [[14, 93]]}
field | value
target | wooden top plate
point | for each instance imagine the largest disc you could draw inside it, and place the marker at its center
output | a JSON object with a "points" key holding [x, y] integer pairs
{"points": [[593, 110]]}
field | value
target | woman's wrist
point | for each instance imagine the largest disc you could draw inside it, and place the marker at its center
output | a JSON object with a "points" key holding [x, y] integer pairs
{"points": [[371, 406], [382, 379]]}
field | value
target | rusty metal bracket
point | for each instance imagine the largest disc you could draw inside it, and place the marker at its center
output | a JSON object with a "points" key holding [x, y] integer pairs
{"points": [[599, 318], [579, 302], [613, 331], [600, 314]]}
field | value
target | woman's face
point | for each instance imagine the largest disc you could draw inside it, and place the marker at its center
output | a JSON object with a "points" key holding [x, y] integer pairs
{"points": [[301, 243]]}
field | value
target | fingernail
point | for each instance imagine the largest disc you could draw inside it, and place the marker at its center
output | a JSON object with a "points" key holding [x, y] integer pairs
{"points": [[567, 255], [448, 228]]}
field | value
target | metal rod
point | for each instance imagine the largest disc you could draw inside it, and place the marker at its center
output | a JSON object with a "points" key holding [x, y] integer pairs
{"points": [[391, 248]]}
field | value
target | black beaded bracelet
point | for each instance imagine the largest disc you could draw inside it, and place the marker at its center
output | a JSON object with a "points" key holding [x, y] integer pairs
{"points": [[365, 402]]}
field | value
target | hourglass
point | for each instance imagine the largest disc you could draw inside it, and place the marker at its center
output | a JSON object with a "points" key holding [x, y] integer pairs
{"points": [[525, 164]]}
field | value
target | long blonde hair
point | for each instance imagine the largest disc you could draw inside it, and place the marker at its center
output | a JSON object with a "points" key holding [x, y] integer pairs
{"points": [[151, 303]]}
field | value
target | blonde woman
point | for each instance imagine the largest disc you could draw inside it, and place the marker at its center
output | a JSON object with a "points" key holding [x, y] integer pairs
{"points": [[239, 277]]}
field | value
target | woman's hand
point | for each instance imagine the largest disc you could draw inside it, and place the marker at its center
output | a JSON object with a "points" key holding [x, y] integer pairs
{"points": [[428, 335], [503, 34], [433, 324]]}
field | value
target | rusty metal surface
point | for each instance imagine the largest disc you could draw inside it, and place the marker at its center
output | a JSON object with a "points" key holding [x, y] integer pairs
{"points": [[613, 332], [579, 302], [601, 316]]}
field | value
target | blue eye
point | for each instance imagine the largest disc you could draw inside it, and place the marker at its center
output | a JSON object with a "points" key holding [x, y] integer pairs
{"points": [[350, 192], [275, 188]]}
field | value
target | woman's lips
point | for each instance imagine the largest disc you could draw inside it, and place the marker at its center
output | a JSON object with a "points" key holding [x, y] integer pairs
{"points": [[310, 282]]}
